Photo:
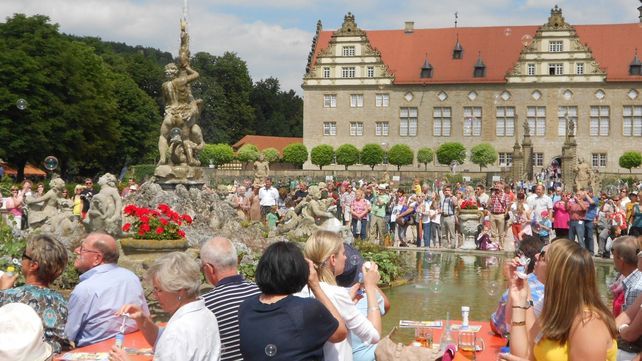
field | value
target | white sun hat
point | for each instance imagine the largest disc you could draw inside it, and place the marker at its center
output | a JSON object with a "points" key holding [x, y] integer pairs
{"points": [[21, 334]]}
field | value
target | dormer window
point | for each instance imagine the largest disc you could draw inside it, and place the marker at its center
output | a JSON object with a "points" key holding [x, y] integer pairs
{"points": [[480, 68], [458, 51], [426, 69], [635, 68], [348, 50]]}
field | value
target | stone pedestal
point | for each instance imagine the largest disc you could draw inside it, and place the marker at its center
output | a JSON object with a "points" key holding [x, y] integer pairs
{"points": [[469, 221], [527, 148], [569, 160], [517, 170]]}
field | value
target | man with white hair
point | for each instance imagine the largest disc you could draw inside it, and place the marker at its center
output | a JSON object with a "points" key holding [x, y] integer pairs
{"points": [[219, 262]]}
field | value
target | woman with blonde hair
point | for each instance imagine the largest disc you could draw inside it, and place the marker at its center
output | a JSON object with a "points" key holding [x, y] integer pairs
{"points": [[326, 250], [575, 324]]}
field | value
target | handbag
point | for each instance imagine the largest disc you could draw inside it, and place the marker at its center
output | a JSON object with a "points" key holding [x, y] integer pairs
{"points": [[388, 350]]}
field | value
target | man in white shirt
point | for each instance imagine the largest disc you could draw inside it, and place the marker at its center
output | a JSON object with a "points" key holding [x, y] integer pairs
{"points": [[268, 197], [539, 202]]}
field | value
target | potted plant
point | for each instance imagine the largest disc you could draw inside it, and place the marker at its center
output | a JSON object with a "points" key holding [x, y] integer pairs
{"points": [[154, 230], [469, 216]]}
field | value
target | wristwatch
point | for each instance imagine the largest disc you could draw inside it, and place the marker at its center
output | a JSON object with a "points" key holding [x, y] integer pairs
{"points": [[529, 304]]}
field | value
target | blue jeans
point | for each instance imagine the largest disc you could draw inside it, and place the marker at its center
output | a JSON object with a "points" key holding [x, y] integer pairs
{"points": [[588, 235], [426, 234], [576, 228], [364, 223]]}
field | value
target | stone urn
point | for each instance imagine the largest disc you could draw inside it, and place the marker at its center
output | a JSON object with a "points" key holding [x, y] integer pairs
{"points": [[468, 222], [137, 246]]}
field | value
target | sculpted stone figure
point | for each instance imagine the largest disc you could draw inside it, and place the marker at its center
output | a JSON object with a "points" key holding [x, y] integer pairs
{"points": [[527, 129], [261, 169], [42, 208], [570, 125], [583, 175], [105, 210], [317, 208]]}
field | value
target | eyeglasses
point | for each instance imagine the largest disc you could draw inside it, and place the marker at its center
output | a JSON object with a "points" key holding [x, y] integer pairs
{"points": [[85, 250], [541, 254], [25, 256], [88, 183]]}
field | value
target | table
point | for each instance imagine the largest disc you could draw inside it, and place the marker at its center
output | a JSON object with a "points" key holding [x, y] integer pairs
{"points": [[134, 340], [492, 342]]}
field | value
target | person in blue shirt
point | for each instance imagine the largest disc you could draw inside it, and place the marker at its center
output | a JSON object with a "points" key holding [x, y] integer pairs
{"points": [[590, 220]]}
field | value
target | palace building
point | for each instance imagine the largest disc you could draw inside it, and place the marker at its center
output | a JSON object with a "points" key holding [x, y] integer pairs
{"points": [[425, 87]]}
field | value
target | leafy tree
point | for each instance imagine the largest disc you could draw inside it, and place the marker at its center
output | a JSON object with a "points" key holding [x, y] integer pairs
{"points": [[248, 153], [372, 154], [400, 154], [347, 155], [630, 160], [322, 155], [448, 152], [271, 155], [277, 112], [483, 154], [424, 156], [218, 153], [295, 153]]}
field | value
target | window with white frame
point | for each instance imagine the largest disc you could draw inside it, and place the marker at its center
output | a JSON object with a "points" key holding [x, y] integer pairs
{"points": [[505, 122], [598, 160], [442, 122], [382, 100], [348, 72], [632, 121], [600, 121], [370, 71], [538, 159], [555, 69], [356, 101], [472, 121], [505, 159], [329, 128], [579, 68], [382, 129], [536, 117], [330, 101], [326, 71], [408, 122], [348, 50], [562, 114], [530, 69], [356, 129], [555, 46]]}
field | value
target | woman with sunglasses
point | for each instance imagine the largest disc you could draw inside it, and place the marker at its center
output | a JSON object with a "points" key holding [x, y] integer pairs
{"points": [[43, 260], [13, 204]]}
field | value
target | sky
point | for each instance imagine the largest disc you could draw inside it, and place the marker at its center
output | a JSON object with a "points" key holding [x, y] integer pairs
{"points": [[274, 36]]}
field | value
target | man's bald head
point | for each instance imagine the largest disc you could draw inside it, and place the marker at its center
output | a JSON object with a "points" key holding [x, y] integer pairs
{"points": [[105, 244]]}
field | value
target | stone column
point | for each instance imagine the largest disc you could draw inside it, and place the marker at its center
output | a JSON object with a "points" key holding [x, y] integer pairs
{"points": [[517, 170], [527, 150], [569, 160]]}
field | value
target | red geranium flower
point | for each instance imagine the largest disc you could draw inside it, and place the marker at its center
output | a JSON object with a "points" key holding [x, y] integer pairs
{"points": [[145, 227], [160, 230], [181, 233], [127, 227], [164, 221], [187, 218], [160, 223], [144, 219]]}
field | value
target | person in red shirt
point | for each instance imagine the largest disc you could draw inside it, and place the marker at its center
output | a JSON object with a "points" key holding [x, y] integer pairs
{"points": [[576, 207]]}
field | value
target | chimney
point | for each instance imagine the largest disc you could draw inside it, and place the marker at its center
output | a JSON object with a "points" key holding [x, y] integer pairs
{"points": [[409, 27]]}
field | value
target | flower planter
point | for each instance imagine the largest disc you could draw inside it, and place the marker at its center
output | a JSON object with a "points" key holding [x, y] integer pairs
{"points": [[133, 246], [468, 222]]}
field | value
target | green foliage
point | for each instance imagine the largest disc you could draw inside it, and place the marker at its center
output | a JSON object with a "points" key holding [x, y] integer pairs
{"points": [[347, 155], [630, 160], [271, 155], [372, 154], [295, 153], [322, 155], [217, 153], [141, 172], [277, 112], [400, 154], [483, 154], [389, 262], [248, 153], [10, 248], [448, 152], [454, 178], [424, 156]]}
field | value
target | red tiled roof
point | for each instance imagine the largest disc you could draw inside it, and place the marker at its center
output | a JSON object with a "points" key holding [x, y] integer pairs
{"points": [[263, 141], [30, 170], [612, 45]]}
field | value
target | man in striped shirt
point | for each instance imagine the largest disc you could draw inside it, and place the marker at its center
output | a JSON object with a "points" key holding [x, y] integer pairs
{"points": [[219, 262]]}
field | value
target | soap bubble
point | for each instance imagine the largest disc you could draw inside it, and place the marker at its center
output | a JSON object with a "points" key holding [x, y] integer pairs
{"points": [[435, 286], [354, 260], [527, 40], [16, 262], [508, 31], [492, 288], [270, 350], [21, 104]]}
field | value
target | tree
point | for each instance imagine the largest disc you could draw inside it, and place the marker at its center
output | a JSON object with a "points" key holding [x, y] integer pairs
{"points": [[483, 154], [400, 154], [347, 155], [295, 153], [424, 156], [630, 160], [217, 153], [372, 154], [271, 155], [277, 112], [247, 153], [448, 152], [322, 155]]}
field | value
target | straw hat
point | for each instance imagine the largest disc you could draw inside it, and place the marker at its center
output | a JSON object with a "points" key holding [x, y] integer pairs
{"points": [[21, 334]]}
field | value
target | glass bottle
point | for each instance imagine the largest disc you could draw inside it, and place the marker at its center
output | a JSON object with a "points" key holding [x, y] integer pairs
{"points": [[446, 336]]}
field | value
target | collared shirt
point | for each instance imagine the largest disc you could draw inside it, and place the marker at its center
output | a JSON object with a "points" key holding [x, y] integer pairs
{"points": [[498, 203], [268, 196], [539, 204], [483, 199], [379, 205], [447, 206], [575, 209], [224, 301], [591, 211], [632, 288], [93, 303], [190, 335]]}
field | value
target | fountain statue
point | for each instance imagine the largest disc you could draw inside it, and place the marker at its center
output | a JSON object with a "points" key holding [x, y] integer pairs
{"points": [[104, 213], [261, 170], [583, 175], [42, 208], [181, 138]]}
